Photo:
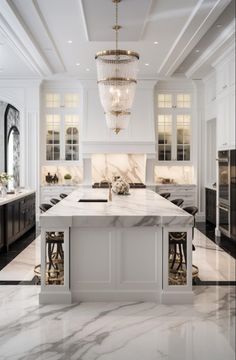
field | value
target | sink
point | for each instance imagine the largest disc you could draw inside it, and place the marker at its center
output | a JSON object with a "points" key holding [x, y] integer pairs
{"points": [[92, 200]]}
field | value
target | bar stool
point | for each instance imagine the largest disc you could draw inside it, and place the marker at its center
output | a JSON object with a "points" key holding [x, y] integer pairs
{"points": [[192, 210], [177, 202], [54, 242], [165, 195], [63, 196], [54, 201]]}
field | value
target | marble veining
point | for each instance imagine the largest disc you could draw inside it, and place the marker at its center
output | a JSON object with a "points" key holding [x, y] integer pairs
{"points": [[130, 167], [141, 208], [117, 331]]}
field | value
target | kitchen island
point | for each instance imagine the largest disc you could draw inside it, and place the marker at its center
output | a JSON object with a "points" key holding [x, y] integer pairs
{"points": [[116, 250]]}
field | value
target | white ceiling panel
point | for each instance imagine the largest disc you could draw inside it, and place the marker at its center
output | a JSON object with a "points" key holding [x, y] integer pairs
{"points": [[100, 17], [68, 33]]}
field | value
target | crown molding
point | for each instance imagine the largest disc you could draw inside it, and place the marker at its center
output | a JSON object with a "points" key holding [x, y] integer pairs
{"points": [[17, 36], [196, 26], [225, 36]]}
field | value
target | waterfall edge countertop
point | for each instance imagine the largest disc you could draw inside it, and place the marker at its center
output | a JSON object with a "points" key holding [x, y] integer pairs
{"points": [[142, 207], [13, 197]]}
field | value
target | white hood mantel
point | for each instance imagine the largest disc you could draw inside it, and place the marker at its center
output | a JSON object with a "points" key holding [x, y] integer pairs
{"points": [[139, 138]]}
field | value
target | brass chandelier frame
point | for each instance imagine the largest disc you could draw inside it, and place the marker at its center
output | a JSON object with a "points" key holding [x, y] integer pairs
{"points": [[119, 57]]}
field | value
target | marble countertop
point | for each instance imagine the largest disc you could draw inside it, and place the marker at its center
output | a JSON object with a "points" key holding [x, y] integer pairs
{"points": [[211, 187], [12, 197], [141, 208]]}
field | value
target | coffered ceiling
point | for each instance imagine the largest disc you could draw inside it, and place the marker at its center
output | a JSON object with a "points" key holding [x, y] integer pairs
{"points": [[59, 38]]}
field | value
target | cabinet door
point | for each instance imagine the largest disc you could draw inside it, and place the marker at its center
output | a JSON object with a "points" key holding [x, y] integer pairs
{"points": [[9, 223], [183, 137], [16, 216], [211, 206], [222, 77], [2, 226], [164, 131]]}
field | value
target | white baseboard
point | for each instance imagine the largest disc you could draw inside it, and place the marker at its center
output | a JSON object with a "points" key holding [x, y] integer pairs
{"points": [[177, 297], [78, 296], [55, 298]]}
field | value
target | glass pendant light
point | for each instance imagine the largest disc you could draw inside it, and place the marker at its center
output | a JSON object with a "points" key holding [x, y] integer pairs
{"points": [[117, 78]]}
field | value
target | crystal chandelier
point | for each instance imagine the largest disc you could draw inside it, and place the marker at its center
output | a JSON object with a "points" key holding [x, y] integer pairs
{"points": [[117, 74]]}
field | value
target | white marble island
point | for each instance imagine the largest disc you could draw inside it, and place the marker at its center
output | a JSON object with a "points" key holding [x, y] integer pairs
{"points": [[116, 250]]}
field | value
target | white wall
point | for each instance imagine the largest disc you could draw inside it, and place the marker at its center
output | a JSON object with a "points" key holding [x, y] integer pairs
{"points": [[24, 95]]}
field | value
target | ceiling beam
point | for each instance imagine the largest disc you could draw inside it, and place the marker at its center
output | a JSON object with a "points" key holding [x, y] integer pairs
{"points": [[201, 19], [20, 39]]}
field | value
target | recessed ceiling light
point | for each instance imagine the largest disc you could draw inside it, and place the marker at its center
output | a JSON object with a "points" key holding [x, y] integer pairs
{"points": [[69, 41], [77, 64], [87, 69], [146, 64], [155, 42], [197, 51], [219, 25]]}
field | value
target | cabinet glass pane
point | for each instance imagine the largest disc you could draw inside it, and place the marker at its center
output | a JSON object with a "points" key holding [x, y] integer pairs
{"points": [[164, 131], [53, 137], [53, 100], [71, 100], [164, 100], [183, 137], [71, 137], [183, 101]]}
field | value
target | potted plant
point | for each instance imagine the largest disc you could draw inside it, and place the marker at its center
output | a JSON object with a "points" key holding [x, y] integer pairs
{"points": [[67, 178], [4, 178]]}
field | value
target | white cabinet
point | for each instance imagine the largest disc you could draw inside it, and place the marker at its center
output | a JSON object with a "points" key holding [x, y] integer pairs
{"points": [[210, 96], [186, 192], [226, 119], [173, 126], [225, 91], [61, 124]]}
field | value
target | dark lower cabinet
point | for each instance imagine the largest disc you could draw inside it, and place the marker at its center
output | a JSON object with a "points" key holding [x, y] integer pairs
{"points": [[2, 227], [17, 218], [211, 206]]}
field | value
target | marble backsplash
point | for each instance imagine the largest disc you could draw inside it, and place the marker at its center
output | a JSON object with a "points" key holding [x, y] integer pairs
{"points": [[131, 167], [179, 174], [75, 171]]}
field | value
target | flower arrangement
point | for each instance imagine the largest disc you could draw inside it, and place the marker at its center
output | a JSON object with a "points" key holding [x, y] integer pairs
{"points": [[4, 178], [120, 187]]}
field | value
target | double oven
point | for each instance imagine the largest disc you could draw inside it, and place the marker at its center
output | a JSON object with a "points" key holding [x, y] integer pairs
{"points": [[227, 192]]}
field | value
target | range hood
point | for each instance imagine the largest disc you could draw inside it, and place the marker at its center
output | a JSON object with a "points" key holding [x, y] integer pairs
{"points": [[139, 138]]}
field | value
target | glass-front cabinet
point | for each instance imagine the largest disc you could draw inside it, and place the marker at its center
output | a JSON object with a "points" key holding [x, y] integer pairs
{"points": [[173, 126], [62, 120]]}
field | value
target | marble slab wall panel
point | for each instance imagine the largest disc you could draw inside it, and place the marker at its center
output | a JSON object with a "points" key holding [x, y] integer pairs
{"points": [[180, 174], [129, 166], [75, 171]]}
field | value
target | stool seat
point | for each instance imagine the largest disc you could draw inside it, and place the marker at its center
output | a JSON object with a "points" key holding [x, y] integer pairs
{"points": [[177, 202], [165, 195], [63, 196], [45, 207], [54, 201]]}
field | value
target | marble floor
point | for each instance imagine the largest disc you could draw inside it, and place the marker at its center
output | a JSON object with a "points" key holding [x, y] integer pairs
{"points": [[117, 331], [214, 263]]}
